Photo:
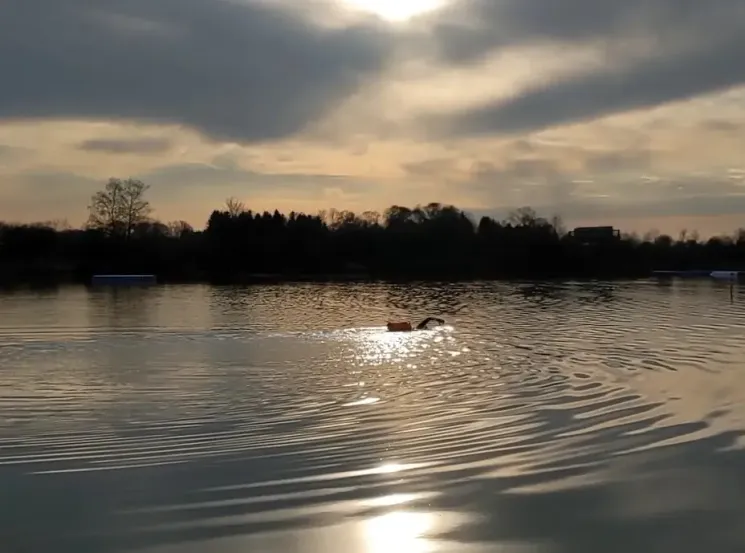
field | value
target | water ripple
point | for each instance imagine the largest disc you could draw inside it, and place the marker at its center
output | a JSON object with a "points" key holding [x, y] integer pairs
{"points": [[170, 417]]}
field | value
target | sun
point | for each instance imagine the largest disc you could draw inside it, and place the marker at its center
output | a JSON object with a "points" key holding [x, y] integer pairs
{"points": [[395, 10]]}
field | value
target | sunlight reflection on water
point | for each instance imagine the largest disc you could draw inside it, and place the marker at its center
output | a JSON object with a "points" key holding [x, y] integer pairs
{"points": [[398, 532]]}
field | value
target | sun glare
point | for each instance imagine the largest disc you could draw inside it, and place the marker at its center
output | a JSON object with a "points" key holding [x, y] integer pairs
{"points": [[398, 532], [395, 10]]}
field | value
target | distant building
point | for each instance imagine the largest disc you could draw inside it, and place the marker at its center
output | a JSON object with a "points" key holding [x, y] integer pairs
{"points": [[595, 235]]}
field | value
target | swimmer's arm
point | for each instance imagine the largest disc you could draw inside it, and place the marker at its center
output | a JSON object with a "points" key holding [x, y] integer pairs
{"points": [[428, 320]]}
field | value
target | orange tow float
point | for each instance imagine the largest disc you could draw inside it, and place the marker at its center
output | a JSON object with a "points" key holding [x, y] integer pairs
{"points": [[402, 326]]}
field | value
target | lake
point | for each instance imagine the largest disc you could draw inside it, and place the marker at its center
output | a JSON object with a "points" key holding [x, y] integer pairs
{"points": [[566, 418]]}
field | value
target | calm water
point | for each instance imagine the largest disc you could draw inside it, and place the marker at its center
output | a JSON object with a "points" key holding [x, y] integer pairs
{"points": [[571, 419]]}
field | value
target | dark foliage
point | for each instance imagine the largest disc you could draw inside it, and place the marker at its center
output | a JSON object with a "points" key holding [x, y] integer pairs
{"points": [[430, 242]]}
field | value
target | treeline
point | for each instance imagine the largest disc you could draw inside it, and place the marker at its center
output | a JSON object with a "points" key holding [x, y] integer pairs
{"points": [[425, 242]]}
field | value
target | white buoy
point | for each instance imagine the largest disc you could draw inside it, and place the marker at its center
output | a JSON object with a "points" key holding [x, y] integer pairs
{"points": [[724, 275], [729, 276]]}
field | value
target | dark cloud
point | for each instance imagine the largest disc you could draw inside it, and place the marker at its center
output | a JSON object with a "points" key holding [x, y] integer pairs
{"points": [[126, 146], [235, 70], [469, 29], [656, 52]]}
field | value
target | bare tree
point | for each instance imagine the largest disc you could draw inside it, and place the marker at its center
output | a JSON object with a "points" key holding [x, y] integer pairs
{"points": [[371, 218], [524, 217], [104, 211], [235, 206], [178, 229], [120, 207], [136, 209]]}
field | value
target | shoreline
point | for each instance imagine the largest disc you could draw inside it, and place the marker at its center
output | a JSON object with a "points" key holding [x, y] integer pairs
{"points": [[52, 275], [257, 279]]}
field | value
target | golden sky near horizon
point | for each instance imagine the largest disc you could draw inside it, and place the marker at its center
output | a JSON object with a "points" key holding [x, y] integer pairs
{"points": [[627, 113]]}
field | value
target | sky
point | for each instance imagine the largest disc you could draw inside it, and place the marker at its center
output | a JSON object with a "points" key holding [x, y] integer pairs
{"points": [[627, 113]]}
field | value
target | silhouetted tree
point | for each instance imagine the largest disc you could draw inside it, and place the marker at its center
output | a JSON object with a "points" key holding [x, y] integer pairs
{"points": [[119, 207], [235, 207], [178, 229], [425, 241]]}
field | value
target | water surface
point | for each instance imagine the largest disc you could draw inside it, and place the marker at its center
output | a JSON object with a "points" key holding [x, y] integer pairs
{"points": [[572, 418]]}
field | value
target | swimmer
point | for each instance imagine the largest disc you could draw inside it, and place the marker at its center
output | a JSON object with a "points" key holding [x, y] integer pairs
{"points": [[405, 326]]}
